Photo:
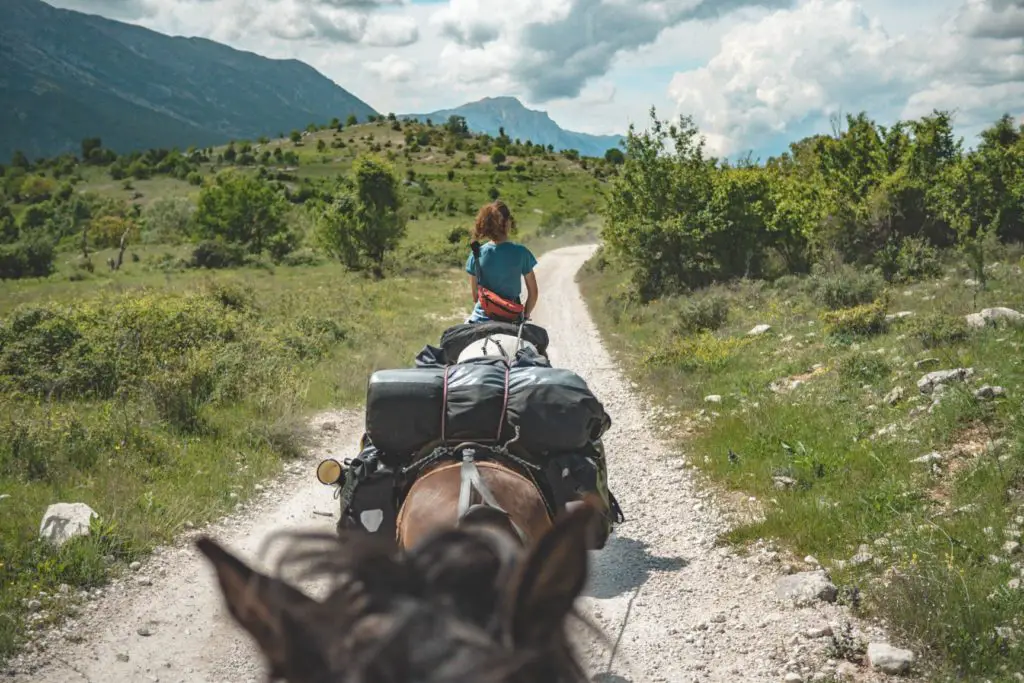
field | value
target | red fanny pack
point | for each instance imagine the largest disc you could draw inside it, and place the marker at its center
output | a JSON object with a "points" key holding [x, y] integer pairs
{"points": [[495, 306]]}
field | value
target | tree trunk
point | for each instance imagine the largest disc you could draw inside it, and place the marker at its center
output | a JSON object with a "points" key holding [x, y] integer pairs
{"points": [[120, 253]]}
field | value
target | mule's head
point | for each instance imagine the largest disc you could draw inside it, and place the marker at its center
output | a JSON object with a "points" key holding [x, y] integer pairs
{"points": [[468, 604]]}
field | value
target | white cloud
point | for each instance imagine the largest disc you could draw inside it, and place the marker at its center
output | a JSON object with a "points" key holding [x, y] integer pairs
{"points": [[551, 49], [390, 31], [392, 69], [775, 75]]}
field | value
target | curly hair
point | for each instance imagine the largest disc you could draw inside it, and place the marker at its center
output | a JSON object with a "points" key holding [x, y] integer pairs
{"points": [[494, 221]]}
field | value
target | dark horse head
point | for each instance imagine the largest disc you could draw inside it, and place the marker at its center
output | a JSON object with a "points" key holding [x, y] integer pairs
{"points": [[465, 605]]}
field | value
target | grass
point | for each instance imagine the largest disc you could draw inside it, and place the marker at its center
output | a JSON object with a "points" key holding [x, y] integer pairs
{"points": [[829, 460], [161, 395]]}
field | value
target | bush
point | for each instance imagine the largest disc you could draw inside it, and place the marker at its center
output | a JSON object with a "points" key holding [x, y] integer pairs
{"points": [[179, 392], [302, 257], [857, 321], [863, 368], [705, 314], [938, 329], [217, 254], [31, 257], [917, 260], [703, 352], [282, 244], [846, 287]]}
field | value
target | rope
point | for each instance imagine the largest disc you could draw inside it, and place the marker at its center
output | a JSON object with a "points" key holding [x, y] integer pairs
{"points": [[444, 403], [504, 404]]}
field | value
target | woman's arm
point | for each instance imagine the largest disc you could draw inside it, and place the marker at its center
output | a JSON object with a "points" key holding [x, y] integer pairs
{"points": [[472, 283], [531, 292]]}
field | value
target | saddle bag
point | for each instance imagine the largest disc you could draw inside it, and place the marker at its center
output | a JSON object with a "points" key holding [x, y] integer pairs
{"points": [[570, 476], [369, 497]]}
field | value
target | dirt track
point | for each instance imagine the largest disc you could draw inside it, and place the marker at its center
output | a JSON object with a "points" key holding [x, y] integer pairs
{"points": [[676, 607]]}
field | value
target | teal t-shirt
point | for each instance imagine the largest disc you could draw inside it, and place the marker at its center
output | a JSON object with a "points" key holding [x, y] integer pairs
{"points": [[504, 266]]}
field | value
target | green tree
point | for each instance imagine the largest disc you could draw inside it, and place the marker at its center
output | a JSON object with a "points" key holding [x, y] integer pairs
{"points": [[351, 120], [8, 227], [497, 155], [240, 209], [90, 147], [295, 136], [614, 156], [366, 220], [456, 126]]}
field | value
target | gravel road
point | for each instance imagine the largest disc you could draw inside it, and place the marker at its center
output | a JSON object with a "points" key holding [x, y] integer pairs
{"points": [[673, 605]]}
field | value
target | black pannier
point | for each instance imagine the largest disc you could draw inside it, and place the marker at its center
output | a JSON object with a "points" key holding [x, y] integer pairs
{"points": [[371, 488], [572, 475], [407, 409]]}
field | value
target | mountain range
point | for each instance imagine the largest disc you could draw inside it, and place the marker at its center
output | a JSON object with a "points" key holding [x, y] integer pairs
{"points": [[67, 75], [491, 114]]}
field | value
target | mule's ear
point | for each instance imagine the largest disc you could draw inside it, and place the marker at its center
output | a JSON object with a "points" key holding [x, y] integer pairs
{"points": [[552, 577], [260, 604]]}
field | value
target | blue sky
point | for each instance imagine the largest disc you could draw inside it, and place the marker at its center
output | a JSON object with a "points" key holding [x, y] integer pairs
{"points": [[754, 74]]}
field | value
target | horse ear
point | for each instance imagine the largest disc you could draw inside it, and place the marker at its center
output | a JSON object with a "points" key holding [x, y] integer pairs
{"points": [[260, 604], [552, 577]]}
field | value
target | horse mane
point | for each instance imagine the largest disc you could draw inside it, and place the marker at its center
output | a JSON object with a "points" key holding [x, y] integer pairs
{"points": [[441, 612]]}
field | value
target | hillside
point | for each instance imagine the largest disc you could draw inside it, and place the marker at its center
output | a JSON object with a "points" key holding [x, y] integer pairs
{"points": [[493, 113], [69, 75]]}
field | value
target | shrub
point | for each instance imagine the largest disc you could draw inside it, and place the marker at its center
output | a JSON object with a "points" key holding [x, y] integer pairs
{"points": [[938, 329], [179, 392], [29, 257], [282, 244], [861, 368], [846, 287], [918, 259], [302, 257], [703, 352], [704, 314], [217, 254], [857, 321]]}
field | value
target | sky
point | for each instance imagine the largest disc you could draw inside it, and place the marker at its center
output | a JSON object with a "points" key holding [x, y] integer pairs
{"points": [[753, 74]]}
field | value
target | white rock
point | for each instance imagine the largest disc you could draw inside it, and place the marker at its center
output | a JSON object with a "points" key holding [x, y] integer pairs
{"points": [[988, 392], [929, 458], [889, 659], [713, 398], [929, 382], [805, 587], [818, 631], [1011, 547], [894, 396], [993, 315], [64, 521], [793, 677], [975, 320], [846, 671], [758, 330]]}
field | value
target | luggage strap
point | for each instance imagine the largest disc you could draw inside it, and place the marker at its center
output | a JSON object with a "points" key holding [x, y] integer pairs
{"points": [[502, 451], [471, 479]]}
